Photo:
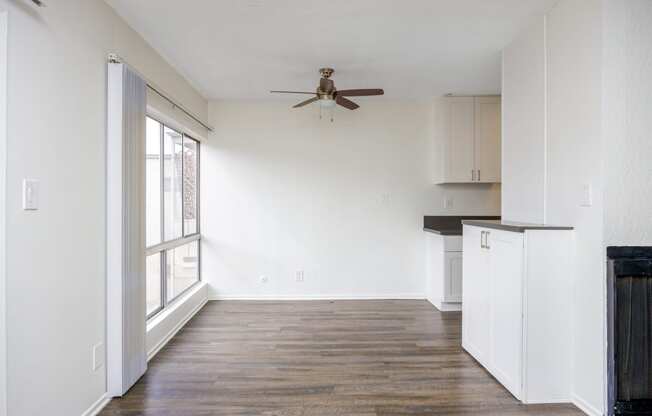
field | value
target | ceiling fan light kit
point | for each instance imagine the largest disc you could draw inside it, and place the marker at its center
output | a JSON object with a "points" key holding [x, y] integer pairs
{"points": [[328, 96]]}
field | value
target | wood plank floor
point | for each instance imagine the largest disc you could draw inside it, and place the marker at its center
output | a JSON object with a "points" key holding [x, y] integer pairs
{"points": [[354, 358]]}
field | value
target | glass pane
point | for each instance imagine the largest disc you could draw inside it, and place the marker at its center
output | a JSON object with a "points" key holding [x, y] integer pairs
{"points": [[153, 282], [182, 268], [190, 183], [172, 183], [153, 182]]}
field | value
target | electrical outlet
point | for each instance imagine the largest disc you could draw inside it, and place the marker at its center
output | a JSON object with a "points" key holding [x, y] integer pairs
{"points": [[448, 202], [299, 276], [263, 279], [98, 356]]}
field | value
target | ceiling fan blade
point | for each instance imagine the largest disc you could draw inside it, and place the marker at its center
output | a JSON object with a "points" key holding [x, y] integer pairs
{"points": [[346, 103], [293, 92], [361, 93], [302, 103]]}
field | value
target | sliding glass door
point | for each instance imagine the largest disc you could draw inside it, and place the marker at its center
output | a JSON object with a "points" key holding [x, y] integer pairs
{"points": [[172, 214]]}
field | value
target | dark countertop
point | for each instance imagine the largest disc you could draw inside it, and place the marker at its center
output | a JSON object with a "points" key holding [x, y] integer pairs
{"points": [[517, 227], [450, 224]]}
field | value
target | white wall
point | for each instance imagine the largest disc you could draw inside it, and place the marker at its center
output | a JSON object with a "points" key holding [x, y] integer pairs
{"points": [[524, 138], [56, 134], [599, 123], [574, 159], [552, 150], [3, 170], [628, 121], [284, 191]]}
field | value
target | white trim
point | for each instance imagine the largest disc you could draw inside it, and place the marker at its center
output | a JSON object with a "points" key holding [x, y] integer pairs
{"points": [[584, 406], [159, 319], [173, 332], [442, 306], [97, 407], [407, 296], [3, 179], [173, 123], [545, 119], [547, 401], [605, 338]]}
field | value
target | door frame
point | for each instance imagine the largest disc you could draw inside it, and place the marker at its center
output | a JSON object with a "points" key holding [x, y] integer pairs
{"points": [[3, 178]]}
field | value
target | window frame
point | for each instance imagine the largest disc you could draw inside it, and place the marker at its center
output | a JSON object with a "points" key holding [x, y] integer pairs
{"points": [[164, 245]]}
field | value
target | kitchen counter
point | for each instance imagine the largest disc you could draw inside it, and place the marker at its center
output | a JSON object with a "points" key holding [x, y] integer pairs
{"points": [[517, 227], [450, 224]]}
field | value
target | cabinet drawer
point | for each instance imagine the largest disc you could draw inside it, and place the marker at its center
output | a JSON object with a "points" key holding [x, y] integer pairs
{"points": [[508, 237]]}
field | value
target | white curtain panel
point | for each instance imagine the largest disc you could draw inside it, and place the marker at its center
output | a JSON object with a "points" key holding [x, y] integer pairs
{"points": [[126, 307]]}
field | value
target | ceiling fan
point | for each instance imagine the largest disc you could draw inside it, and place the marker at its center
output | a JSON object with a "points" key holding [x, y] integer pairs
{"points": [[328, 95]]}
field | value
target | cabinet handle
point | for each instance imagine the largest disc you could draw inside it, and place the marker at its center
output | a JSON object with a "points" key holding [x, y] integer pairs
{"points": [[482, 239], [486, 240], [478, 174], [472, 174]]}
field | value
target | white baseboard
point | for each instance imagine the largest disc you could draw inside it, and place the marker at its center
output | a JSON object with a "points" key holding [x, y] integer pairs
{"points": [[446, 306], [151, 353], [97, 406], [547, 401], [408, 296], [584, 406]]}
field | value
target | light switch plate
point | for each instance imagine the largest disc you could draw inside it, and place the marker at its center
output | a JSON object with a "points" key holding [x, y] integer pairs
{"points": [[587, 195], [30, 194]]}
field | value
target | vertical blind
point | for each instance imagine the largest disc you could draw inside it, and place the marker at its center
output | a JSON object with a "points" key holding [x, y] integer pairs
{"points": [[126, 324]]}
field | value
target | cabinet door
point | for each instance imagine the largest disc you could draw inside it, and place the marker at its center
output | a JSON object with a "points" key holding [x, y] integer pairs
{"points": [[487, 139], [453, 282], [459, 149], [506, 311], [475, 296], [435, 267]]}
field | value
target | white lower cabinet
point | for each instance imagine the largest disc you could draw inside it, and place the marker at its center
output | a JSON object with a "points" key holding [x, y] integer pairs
{"points": [[505, 307], [444, 271], [515, 321], [453, 276], [475, 300]]}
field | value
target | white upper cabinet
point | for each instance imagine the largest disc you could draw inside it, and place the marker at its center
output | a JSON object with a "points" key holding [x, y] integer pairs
{"points": [[470, 140], [487, 139], [459, 160]]}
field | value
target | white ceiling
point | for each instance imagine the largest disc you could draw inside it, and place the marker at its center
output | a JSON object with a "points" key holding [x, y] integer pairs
{"points": [[240, 49]]}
